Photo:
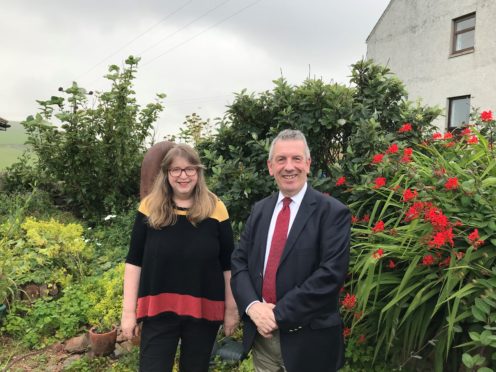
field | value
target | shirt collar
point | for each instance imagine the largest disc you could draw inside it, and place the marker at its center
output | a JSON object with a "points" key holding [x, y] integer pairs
{"points": [[296, 198]]}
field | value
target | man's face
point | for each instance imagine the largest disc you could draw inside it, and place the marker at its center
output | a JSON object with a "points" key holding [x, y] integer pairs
{"points": [[289, 166]]}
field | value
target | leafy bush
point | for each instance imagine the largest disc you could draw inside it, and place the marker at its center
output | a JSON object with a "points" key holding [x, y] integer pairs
{"points": [[342, 125], [50, 319], [423, 251], [47, 252], [91, 163], [96, 300], [107, 299]]}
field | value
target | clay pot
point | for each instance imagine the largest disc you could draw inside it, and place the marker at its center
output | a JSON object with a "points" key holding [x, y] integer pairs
{"points": [[102, 343]]}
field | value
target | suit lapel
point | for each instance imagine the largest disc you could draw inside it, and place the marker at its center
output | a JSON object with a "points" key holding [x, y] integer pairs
{"points": [[307, 207]]}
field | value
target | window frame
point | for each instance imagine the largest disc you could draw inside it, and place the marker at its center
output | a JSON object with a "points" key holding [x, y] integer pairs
{"points": [[455, 33], [450, 104]]}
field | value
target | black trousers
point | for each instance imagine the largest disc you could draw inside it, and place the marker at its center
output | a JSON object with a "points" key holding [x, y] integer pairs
{"points": [[159, 339]]}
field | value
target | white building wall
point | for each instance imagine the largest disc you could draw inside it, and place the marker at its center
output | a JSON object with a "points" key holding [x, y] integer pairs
{"points": [[414, 37]]}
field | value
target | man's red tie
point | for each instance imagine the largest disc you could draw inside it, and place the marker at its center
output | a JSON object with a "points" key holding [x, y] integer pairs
{"points": [[276, 249]]}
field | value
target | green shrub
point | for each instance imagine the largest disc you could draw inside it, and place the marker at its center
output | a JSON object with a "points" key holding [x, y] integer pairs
{"points": [[423, 243], [89, 163], [107, 299], [47, 252]]}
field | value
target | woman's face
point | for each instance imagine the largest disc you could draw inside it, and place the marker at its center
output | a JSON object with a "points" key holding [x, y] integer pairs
{"points": [[182, 176]]}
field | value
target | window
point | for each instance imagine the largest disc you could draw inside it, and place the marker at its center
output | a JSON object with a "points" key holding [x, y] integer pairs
{"points": [[463, 34], [458, 112]]}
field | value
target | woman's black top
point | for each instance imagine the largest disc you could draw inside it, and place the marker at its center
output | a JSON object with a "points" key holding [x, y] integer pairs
{"points": [[182, 265]]}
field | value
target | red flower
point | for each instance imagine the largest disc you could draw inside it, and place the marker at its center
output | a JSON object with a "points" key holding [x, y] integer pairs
{"points": [[440, 172], [378, 254], [346, 332], [358, 315], [377, 158], [341, 181], [378, 227], [474, 239], [366, 218], [406, 127], [466, 132], [451, 184], [445, 262], [361, 339], [486, 115], [473, 140], [437, 136], [427, 260], [436, 217], [407, 153], [459, 255], [409, 195], [349, 301], [354, 219], [391, 265], [449, 144], [441, 238], [393, 149], [474, 235], [379, 182], [448, 135]]}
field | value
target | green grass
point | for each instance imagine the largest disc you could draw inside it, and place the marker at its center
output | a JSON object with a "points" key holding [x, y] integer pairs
{"points": [[11, 144]]}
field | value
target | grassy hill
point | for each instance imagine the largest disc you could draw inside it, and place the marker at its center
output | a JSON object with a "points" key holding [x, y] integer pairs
{"points": [[11, 144]]}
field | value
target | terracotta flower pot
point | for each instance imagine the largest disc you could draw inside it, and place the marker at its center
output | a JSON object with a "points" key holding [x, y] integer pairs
{"points": [[102, 343]]}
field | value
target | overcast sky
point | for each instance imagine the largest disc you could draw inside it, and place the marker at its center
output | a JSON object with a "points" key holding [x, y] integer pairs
{"points": [[197, 52]]}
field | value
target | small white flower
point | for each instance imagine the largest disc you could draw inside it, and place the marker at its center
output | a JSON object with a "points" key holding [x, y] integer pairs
{"points": [[89, 228], [110, 216], [86, 240], [99, 244]]}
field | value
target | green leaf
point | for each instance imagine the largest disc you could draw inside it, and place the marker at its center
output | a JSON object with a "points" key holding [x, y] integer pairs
{"points": [[467, 360], [490, 181], [482, 306], [475, 336]]}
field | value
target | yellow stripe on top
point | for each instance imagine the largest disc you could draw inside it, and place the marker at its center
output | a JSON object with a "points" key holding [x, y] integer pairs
{"points": [[143, 207], [220, 212]]}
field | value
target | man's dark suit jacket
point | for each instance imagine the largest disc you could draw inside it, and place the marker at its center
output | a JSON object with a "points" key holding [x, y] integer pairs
{"points": [[311, 273]]}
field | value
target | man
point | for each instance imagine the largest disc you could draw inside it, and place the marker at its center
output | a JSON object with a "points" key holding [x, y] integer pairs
{"points": [[290, 266]]}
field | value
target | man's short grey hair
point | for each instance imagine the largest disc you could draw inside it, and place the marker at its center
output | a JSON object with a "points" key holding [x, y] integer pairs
{"points": [[289, 135]]}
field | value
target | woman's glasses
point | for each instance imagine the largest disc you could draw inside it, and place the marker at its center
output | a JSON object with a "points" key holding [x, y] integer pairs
{"points": [[176, 172]]}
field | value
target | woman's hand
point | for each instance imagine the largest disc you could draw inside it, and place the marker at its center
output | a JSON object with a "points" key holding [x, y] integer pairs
{"points": [[231, 320], [128, 325]]}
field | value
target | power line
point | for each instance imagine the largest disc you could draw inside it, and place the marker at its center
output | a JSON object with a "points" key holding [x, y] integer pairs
{"points": [[202, 32], [183, 27], [134, 39]]}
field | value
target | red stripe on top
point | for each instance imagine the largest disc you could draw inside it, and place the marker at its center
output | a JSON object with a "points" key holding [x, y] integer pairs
{"points": [[180, 304]]}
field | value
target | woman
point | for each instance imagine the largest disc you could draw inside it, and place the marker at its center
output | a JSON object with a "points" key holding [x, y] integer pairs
{"points": [[177, 275]]}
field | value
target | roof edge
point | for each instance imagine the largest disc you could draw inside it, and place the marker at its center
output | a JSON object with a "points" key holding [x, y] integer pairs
{"points": [[379, 21]]}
